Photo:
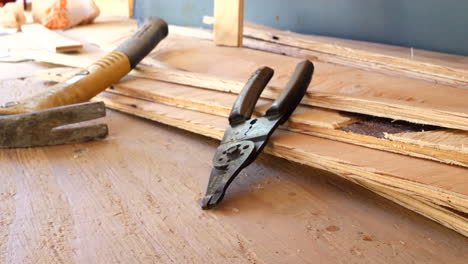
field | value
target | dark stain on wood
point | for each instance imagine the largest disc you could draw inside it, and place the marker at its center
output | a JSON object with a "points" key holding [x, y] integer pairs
{"points": [[378, 126], [332, 228]]}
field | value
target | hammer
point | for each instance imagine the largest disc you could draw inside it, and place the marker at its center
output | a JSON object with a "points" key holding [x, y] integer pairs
{"points": [[36, 121]]}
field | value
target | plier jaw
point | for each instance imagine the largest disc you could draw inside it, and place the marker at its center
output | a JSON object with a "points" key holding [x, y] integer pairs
{"points": [[229, 160], [245, 138]]}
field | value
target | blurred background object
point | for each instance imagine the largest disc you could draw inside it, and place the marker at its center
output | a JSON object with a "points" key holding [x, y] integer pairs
{"points": [[3, 2], [12, 16], [62, 14], [121, 8]]}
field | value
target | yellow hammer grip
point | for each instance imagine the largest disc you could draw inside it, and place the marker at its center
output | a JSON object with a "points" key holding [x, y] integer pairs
{"points": [[79, 88]]}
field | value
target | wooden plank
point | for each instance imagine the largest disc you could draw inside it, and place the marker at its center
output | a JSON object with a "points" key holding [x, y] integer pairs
{"points": [[337, 87], [228, 30], [212, 126], [452, 140], [131, 7], [414, 63], [310, 120], [50, 40]]}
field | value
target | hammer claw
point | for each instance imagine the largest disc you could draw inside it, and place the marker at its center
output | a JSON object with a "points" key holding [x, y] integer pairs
{"points": [[41, 128]]}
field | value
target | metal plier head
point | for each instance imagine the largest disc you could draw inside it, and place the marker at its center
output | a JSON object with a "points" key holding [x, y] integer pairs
{"points": [[246, 137]]}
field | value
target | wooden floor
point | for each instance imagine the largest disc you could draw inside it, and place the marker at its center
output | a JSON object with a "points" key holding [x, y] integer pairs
{"points": [[134, 198]]}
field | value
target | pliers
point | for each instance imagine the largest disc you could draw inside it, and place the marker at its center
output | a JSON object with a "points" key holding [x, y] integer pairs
{"points": [[245, 138]]}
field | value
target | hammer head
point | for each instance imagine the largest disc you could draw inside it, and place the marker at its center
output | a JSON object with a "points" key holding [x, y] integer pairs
{"points": [[42, 128]]}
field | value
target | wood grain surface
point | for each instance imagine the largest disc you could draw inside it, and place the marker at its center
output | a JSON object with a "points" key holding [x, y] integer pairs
{"points": [[134, 199]]}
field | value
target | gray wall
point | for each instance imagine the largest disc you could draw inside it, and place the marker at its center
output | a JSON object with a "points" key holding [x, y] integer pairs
{"points": [[440, 25]]}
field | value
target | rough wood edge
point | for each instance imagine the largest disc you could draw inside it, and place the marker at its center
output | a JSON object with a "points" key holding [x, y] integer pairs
{"points": [[463, 149], [434, 212]]}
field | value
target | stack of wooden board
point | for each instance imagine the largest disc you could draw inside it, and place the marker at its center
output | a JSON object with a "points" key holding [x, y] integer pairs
{"points": [[195, 91], [444, 145]]}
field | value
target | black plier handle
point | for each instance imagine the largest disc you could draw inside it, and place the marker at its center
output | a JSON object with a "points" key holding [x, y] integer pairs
{"points": [[286, 103]]}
